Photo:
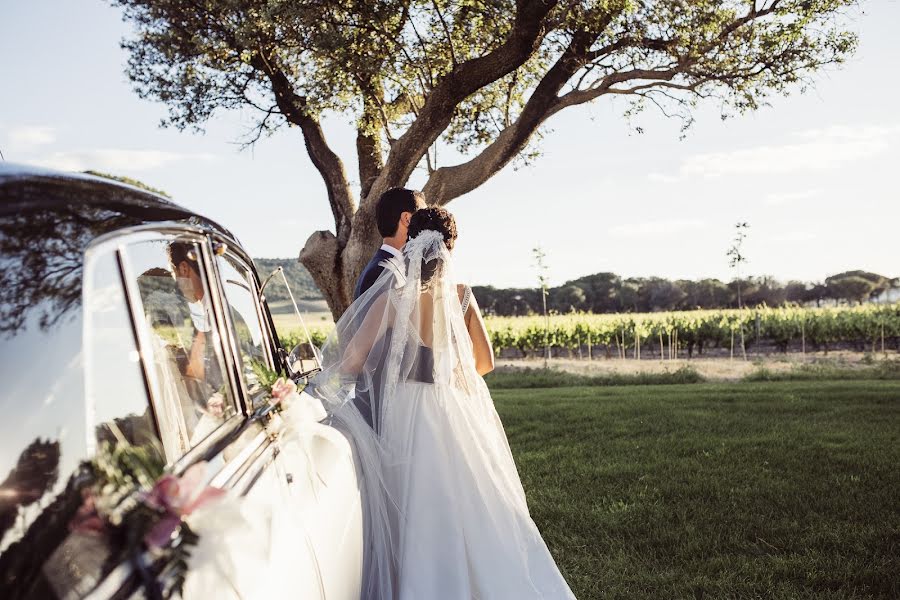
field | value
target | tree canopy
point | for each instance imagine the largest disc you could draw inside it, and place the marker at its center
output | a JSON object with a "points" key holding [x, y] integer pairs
{"points": [[481, 75]]}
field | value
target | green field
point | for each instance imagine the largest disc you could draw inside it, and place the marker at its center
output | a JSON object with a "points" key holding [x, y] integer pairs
{"points": [[750, 490]]}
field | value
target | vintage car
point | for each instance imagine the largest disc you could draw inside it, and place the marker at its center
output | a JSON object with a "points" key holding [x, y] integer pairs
{"points": [[135, 330]]}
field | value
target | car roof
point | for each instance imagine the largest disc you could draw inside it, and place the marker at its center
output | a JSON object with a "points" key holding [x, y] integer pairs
{"points": [[25, 188]]}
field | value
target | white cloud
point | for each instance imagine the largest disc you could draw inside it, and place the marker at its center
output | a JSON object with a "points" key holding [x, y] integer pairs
{"points": [[656, 227], [816, 149], [788, 158], [27, 137], [116, 160], [779, 198]]}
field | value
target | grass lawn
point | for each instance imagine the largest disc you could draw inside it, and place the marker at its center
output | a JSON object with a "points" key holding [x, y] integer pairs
{"points": [[750, 490]]}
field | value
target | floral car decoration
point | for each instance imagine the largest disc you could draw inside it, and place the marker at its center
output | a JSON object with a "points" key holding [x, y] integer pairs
{"points": [[130, 501], [279, 387]]}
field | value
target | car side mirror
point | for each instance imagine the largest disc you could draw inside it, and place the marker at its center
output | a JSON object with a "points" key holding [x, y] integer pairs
{"points": [[304, 360]]}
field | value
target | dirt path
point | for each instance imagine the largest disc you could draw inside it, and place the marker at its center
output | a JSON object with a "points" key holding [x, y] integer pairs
{"points": [[713, 369]]}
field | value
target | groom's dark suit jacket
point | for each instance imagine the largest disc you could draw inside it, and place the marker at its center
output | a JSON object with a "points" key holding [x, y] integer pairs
{"points": [[371, 273], [367, 401]]}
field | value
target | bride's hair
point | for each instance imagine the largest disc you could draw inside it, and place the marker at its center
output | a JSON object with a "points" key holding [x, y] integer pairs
{"points": [[433, 219]]}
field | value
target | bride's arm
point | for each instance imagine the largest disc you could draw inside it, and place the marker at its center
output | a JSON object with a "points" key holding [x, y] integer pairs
{"points": [[359, 347], [481, 343]]}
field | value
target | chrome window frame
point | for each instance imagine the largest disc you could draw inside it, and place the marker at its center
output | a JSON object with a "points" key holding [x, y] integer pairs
{"points": [[120, 240], [265, 313], [92, 254], [247, 264]]}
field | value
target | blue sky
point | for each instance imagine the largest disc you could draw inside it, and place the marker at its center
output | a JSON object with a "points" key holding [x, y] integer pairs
{"points": [[814, 174]]}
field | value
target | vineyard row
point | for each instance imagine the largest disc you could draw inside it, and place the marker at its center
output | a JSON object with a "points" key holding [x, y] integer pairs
{"points": [[865, 327]]}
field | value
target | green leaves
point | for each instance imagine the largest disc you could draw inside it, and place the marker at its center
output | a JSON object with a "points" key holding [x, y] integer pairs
{"points": [[265, 375], [128, 467], [382, 64]]}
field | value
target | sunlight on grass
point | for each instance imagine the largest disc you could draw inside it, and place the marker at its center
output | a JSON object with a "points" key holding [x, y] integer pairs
{"points": [[753, 490]]}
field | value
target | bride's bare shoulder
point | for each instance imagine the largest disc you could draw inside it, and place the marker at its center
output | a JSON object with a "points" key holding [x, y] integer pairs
{"points": [[461, 290]]}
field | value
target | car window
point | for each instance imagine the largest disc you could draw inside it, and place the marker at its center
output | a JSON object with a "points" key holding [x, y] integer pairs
{"points": [[115, 390], [188, 376], [241, 297]]}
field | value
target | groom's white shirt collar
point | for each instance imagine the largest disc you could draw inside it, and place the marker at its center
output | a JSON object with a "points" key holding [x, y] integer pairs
{"points": [[392, 250]]}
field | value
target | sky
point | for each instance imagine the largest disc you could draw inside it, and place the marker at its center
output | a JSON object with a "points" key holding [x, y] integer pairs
{"points": [[814, 174]]}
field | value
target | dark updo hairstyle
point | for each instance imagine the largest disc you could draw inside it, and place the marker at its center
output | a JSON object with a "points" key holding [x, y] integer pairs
{"points": [[433, 219]]}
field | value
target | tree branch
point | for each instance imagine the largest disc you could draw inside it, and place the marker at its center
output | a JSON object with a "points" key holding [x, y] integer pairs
{"points": [[368, 136], [468, 77], [330, 167], [448, 183], [437, 9], [261, 128]]}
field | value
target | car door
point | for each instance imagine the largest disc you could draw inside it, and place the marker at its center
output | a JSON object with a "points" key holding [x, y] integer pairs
{"points": [[199, 334], [129, 386], [313, 474], [202, 399]]}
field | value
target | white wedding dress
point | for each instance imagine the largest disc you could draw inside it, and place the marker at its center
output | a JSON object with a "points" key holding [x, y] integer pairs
{"points": [[446, 516]]}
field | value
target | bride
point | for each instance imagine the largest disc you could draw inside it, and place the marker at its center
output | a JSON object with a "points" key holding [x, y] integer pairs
{"points": [[446, 516]]}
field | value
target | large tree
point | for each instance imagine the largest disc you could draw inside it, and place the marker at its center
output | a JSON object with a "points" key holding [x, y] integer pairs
{"points": [[481, 75]]}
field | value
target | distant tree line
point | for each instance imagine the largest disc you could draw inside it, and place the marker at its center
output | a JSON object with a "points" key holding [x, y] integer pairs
{"points": [[610, 293]]}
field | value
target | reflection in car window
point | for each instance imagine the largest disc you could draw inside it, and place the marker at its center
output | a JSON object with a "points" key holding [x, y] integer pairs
{"points": [[115, 393], [42, 437], [240, 293], [191, 389]]}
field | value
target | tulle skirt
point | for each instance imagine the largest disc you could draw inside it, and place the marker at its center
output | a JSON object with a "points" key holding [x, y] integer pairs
{"points": [[458, 525]]}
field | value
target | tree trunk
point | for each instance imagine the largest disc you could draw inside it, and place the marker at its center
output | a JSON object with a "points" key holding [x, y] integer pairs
{"points": [[335, 268], [322, 257]]}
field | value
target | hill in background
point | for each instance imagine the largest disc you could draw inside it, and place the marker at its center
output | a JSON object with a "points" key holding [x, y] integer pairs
{"points": [[301, 281]]}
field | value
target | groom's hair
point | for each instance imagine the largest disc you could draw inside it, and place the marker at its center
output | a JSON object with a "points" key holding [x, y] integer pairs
{"points": [[180, 251], [392, 204]]}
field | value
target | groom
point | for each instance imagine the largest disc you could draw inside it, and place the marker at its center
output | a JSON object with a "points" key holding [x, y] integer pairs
{"points": [[393, 211]]}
